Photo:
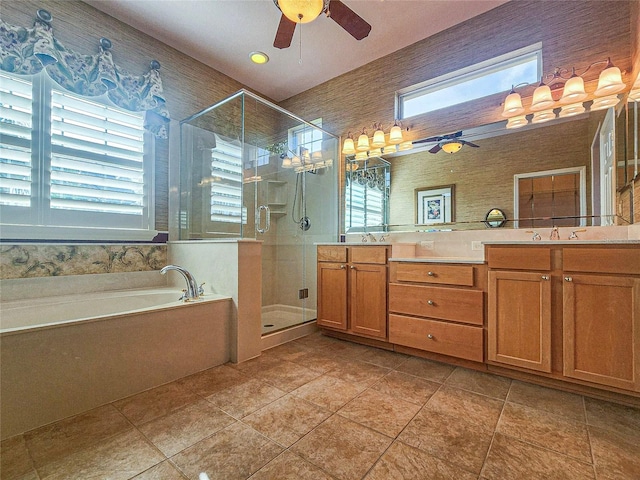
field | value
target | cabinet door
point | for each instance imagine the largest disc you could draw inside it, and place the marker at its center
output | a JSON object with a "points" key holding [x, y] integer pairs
{"points": [[519, 324], [332, 295], [601, 330], [368, 287]]}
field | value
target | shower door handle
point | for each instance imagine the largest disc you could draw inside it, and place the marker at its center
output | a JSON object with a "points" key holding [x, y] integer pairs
{"points": [[267, 219]]}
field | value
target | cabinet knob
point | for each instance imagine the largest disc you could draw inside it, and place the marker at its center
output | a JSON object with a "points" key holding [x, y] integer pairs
{"points": [[430, 302], [545, 277], [430, 337], [343, 267], [568, 279], [431, 274], [352, 267]]}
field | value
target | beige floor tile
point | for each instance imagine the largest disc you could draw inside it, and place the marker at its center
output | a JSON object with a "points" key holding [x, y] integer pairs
{"points": [[479, 382], [359, 373], [402, 462], [162, 471], [611, 416], [15, 462], [512, 459], [328, 392], [451, 438], [546, 430], [382, 358], [381, 412], [241, 400], [213, 380], [342, 448], [420, 367], [287, 376], [256, 365], [69, 436], [231, 454], [156, 402], [474, 408], [185, 427], [547, 399], [118, 458], [616, 456], [287, 419], [319, 362], [407, 387], [288, 351], [290, 466]]}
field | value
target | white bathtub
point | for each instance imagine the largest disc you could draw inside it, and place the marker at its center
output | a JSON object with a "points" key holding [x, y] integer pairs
{"points": [[60, 356]]}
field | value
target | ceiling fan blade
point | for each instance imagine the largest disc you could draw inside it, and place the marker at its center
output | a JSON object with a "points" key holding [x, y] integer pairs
{"points": [[353, 23], [284, 34], [428, 140], [469, 143], [435, 149]]}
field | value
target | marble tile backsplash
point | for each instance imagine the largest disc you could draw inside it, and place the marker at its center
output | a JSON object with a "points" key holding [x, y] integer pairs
{"points": [[52, 260]]}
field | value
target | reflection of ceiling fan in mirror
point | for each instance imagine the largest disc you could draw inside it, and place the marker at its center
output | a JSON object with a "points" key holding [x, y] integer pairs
{"points": [[450, 143], [304, 11]]}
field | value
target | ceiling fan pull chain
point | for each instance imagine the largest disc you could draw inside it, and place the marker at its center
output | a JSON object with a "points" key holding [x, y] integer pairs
{"points": [[300, 54]]}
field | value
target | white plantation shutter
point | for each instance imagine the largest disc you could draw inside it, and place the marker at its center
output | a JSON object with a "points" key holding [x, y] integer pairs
{"points": [[87, 165], [15, 145], [364, 206], [226, 185]]}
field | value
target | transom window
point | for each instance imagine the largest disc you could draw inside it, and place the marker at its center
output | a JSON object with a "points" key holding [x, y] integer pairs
{"points": [[476, 81], [71, 161]]}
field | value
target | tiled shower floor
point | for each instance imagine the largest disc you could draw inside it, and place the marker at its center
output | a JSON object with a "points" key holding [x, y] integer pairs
{"points": [[319, 409]]}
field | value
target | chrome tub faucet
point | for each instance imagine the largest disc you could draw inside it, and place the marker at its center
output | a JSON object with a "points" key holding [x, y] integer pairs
{"points": [[192, 291]]}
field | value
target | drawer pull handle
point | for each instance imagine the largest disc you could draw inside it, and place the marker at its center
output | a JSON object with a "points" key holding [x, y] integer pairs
{"points": [[431, 274], [568, 279], [545, 277], [430, 302], [342, 267], [430, 337], [352, 267]]}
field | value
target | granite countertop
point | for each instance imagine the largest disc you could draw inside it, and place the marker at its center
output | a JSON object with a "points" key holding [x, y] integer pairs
{"points": [[439, 260]]}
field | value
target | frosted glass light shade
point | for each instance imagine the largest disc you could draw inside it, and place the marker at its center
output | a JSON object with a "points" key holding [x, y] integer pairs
{"points": [[517, 122], [286, 163], [634, 95], [348, 147], [295, 161], [316, 157], [363, 143], [395, 135], [573, 91], [375, 152], [609, 82], [571, 110], [408, 145], [543, 116], [378, 139], [361, 156], [604, 102], [390, 149], [542, 99], [452, 147], [512, 105], [301, 11]]}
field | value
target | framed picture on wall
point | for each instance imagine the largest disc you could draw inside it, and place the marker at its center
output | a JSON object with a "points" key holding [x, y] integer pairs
{"points": [[434, 205]]}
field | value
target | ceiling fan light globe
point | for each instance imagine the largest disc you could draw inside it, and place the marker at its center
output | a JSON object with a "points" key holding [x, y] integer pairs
{"points": [[301, 11], [452, 147]]}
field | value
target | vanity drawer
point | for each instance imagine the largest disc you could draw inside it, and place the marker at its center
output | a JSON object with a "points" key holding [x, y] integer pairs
{"points": [[331, 253], [455, 304], [602, 260], [524, 258], [434, 273], [461, 341], [377, 255]]}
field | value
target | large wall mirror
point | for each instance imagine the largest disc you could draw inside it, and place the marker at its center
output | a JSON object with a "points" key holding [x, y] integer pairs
{"points": [[483, 178]]}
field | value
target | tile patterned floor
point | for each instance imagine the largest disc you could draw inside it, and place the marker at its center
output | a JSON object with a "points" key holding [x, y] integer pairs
{"points": [[321, 409]]}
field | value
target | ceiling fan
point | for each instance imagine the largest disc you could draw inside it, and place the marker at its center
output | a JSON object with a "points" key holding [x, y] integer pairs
{"points": [[304, 11], [450, 143]]}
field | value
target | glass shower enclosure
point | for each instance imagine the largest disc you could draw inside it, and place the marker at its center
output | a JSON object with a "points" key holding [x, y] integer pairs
{"points": [[252, 170]]}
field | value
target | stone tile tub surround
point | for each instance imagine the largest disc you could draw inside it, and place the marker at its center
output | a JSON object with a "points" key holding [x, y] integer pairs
{"points": [[461, 243]]}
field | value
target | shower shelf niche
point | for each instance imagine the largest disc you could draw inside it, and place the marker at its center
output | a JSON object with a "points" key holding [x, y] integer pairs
{"points": [[277, 197]]}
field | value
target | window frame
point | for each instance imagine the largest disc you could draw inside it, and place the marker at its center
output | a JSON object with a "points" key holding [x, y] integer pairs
{"points": [[465, 74], [42, 217]]}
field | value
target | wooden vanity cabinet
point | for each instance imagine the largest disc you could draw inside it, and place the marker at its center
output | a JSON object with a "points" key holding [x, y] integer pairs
{"points": [[519, 307], [601, 316], [352, 289], [437, 308]]}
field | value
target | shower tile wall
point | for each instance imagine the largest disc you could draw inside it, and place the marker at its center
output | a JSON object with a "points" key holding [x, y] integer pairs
{"points": [[51, 260]]}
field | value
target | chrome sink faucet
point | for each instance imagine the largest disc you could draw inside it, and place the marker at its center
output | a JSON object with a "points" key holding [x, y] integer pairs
{"points": [[192, 292]]}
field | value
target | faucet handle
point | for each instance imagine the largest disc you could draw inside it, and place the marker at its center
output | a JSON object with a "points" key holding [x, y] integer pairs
{"points": [[536, 236], [200, 289], [184, 295]]}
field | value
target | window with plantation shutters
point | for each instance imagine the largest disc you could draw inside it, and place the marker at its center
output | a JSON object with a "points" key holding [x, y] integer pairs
{"points": [[226, 184], [71, 161], [364, 207]]}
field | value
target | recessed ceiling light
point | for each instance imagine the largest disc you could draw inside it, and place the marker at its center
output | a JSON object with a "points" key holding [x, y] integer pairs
{"points": [[259, 57]]}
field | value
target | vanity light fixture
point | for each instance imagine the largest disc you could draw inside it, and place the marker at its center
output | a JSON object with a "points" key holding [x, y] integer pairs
{"points": [[378, 137], [604, 102], [517, 122], [395, 135], [363, 142], [378, 144], [634, 94], [348, 147], [543, 116], [571, 110]]}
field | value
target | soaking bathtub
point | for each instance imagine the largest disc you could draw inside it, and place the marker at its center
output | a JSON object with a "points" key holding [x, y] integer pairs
{"points": [[64, 355]]}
